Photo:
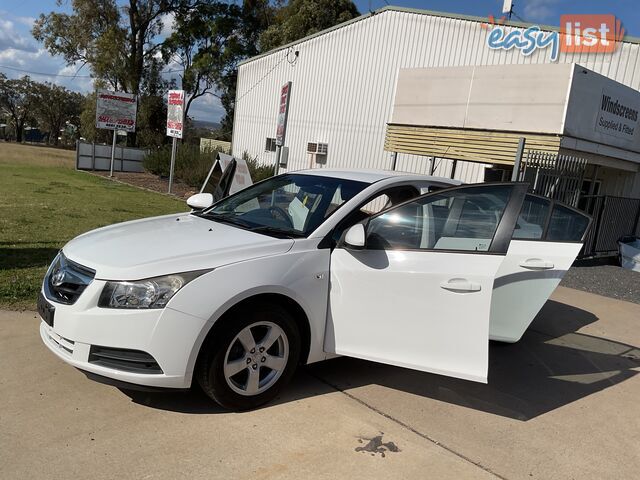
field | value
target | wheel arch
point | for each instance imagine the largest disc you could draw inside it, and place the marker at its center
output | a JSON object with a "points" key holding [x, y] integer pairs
{"points": [[277, 298]]}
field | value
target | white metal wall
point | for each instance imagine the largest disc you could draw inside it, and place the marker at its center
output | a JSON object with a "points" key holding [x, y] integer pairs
{"points": [[344, 85]]}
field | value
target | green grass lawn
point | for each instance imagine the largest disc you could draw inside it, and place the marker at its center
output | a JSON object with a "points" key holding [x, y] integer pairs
{"points": [[44, 203]]}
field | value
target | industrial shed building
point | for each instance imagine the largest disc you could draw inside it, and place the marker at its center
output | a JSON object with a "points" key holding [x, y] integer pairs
{"points": [[346, 94]]}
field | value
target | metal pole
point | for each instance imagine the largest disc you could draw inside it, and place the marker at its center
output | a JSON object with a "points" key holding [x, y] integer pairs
{"points": [[592, 187], [515, 175], [278, 153], [174, 146], [432, 167], [394, 160], [113, 152], [454, 167]]}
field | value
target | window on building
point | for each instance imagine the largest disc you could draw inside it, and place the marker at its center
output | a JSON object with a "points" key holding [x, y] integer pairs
{"points": [[270, 145]]}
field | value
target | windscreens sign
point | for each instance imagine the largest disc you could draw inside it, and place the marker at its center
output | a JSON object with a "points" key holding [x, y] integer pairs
{"points": [[618, 115], [175, 113], [116, 111]]}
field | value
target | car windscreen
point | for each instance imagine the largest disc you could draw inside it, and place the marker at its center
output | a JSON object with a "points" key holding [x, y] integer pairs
{"points": [[287, 205]]}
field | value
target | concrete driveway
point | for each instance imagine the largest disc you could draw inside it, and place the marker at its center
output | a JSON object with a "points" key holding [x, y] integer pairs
{"points": [[562, 403]]}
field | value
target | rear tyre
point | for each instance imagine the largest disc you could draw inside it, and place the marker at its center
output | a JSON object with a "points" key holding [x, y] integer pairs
{"points": [[246, 363]]}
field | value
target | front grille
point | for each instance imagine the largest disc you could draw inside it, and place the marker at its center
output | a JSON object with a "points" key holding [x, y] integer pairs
{"points": [[63, 344], [66, 280], [134, 361]]}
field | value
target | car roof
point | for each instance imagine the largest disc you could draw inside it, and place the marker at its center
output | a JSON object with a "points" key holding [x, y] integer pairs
{"points": [[372, 175]]}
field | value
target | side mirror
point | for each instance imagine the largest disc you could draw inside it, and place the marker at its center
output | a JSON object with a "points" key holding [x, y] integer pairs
{"points": [[355, 237], [200, 201]]}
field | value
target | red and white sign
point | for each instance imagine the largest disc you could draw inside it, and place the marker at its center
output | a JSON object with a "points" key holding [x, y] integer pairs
{"points": [[283, 113], [175, 113], [116, 111]]}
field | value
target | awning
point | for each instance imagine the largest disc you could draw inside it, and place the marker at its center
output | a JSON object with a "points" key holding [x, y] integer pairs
{"points": [[470, 145]]}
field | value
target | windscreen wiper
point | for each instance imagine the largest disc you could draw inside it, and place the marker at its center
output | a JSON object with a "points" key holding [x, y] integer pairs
{"points": [[230, 218], [276, 232]]}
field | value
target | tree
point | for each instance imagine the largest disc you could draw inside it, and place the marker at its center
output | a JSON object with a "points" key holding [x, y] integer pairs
{"points": [[17, 100], [54, 107], [300, 18], [209, 41], [116, 42]]}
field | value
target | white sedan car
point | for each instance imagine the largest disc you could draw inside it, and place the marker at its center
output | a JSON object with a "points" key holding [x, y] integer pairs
{"points": [[397, 268]]}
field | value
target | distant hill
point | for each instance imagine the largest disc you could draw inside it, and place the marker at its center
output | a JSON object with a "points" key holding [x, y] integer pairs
{"points": [[203, 124]]}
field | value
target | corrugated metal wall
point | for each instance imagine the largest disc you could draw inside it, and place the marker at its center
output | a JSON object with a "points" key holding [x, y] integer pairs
{"points": [[344, 84]]}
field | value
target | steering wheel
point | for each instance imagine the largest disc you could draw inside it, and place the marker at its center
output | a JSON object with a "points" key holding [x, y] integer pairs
{"points": [[282, 213]]}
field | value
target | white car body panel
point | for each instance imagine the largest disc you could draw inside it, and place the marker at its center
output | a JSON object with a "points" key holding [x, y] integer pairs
{"points": [[169, 244], [389, 307], [530, 273]]}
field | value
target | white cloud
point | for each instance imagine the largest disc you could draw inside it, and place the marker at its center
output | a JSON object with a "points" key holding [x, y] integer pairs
{"points": [[207, 108], [11, 37], [539, 10], [168, 21]]}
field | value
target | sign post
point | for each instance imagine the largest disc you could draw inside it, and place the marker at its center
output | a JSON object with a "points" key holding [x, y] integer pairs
{"points": [[116, 111], [113, 151], [175, 125], [283, 115]]}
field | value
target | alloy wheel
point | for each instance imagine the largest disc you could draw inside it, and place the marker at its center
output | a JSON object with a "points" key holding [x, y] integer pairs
{"points": [[256, 358]]}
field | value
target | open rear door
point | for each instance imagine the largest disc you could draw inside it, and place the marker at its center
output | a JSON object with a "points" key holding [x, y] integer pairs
{"points": [[418, 295], [547, 239]]}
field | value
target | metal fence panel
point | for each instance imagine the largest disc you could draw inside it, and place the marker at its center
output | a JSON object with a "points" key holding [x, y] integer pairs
{"points": [[90, 156], [618, 218], [555, 176], [613, 217]]}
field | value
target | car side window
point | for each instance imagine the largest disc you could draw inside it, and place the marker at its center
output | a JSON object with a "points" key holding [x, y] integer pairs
{"points": [[375, 205], [380, 201], [461, 219], [532, 218], [566, 225]]}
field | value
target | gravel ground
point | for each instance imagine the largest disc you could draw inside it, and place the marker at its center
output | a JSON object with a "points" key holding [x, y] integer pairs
{"points": [[604, 277], [151, 182]]}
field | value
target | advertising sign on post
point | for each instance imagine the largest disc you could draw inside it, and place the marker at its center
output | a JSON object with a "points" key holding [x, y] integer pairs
{"points": [[283, 114], [116, 111], [175, 113], [175, 125]]}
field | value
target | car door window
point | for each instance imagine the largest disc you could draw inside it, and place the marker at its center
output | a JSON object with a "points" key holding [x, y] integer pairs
{"points": [[461, 219], [566, 225], [380, 201], [532, 218]]}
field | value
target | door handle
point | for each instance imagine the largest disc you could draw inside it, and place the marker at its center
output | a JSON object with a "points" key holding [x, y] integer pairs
{"points": [[537, 264], [460, 285]]}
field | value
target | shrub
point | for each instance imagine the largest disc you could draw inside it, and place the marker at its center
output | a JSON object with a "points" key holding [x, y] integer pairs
{"points": [[258, 171], [193, 165]]}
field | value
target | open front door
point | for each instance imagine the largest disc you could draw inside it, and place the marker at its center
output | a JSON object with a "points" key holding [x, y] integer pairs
{"points": [[418, 295]]}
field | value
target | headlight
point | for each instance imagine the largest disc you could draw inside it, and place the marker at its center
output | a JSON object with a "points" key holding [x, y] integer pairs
{"points": [[150, 293]]}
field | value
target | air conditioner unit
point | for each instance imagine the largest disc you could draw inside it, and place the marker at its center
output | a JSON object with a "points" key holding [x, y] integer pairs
{"points": [[317, 148]]}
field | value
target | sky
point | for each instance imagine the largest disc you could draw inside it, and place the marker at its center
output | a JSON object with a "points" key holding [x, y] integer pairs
{"points": [[19, 50]]}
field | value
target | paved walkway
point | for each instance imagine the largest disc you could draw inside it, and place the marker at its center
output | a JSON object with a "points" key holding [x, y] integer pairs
{"points": [[562, 403]]}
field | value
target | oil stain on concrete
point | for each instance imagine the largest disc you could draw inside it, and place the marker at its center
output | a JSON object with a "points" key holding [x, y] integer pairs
{"points": [[376, 445]]}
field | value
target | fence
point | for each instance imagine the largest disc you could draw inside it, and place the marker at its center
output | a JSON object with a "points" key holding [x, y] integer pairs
{"points": [[613, 217], [90, 156], [560, 177], [555, 176]]}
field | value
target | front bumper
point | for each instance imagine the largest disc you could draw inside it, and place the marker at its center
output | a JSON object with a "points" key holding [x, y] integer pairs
{"points": [[169, 336]]}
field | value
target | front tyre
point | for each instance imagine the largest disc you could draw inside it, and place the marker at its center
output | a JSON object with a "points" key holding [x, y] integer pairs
{"points": [[248, 361]]}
